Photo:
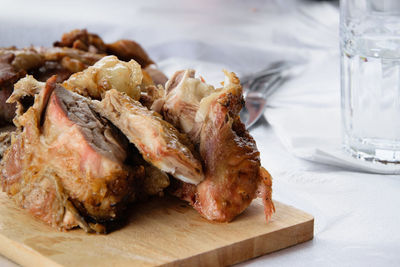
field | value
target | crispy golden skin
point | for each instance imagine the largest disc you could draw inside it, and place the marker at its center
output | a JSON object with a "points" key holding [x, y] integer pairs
{"points": [[233, 173]]}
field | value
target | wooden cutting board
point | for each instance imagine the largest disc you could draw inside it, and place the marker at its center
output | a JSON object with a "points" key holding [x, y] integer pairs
{"points": [[161, 232]]}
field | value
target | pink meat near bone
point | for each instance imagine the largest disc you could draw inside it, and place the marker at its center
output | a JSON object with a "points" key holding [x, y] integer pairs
{"points": [[67, 165]]}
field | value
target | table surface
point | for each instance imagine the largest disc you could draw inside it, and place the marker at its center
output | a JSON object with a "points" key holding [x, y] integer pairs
{"points": [[356, 214]]}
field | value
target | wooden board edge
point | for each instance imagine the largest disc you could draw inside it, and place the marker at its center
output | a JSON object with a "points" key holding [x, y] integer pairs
{"points": [[225, 256], [23, 255]]}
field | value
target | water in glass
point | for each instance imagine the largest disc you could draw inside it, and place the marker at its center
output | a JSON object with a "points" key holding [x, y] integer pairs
{"points": [[370, 66]]}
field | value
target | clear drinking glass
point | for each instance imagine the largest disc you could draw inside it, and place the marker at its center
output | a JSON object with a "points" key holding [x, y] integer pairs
{"points": [[370, 78]]}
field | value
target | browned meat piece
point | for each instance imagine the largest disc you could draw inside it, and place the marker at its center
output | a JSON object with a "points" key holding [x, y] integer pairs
{"points": [[158, 141], [5, 138], [58, 53], [13, 65], [152, 97], [155, 181], [123, 49], [82, 40], [63, 62], [24, 59], [8, 74], [157, 76], [233, 174], [7, 111], [23, 95], [66, 166], [127, 50], [42, 63], [49, 69], [152, 89]]}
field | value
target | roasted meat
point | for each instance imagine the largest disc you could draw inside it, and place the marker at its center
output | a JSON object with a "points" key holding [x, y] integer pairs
{"points": [[8, 74], [66, 165], [7, 110], [158, 141], [23, 95], [108, 73], [156, 75], [63, 62], [183, 96], [152, 97], [127, 50], [111, 73], [15, 63], [76, 51], [42, 63], [5, 139], [233, 174], [123, 49], [91, 139], [82, 40], [23, 177]]}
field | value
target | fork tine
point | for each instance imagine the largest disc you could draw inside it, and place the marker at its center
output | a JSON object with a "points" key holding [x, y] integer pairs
{"points": [[259, 86], [255, 84], [272, 68]]}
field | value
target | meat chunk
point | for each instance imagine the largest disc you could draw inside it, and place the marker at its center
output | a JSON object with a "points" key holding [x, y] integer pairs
{"points": [[24, 59], [233, 174], [8, 73], [66, 166], [152, 97], [22, 177], [111, 73], [15, 63], [7, 111], [76, 51], [58, 53], [183, 96], [108, 73], [156, 75], [11, 69], [23, 96], [124, 49], [5, 139], [82, 40], [77, 136], [157, 140], [42, 63], [127, 50]]}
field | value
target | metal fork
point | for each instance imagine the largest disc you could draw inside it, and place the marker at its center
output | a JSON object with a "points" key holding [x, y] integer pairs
{"points": [[259, 86]]}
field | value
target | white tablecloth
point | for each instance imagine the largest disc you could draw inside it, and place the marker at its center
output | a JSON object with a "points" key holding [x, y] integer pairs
{"points": [[357, 215]]}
